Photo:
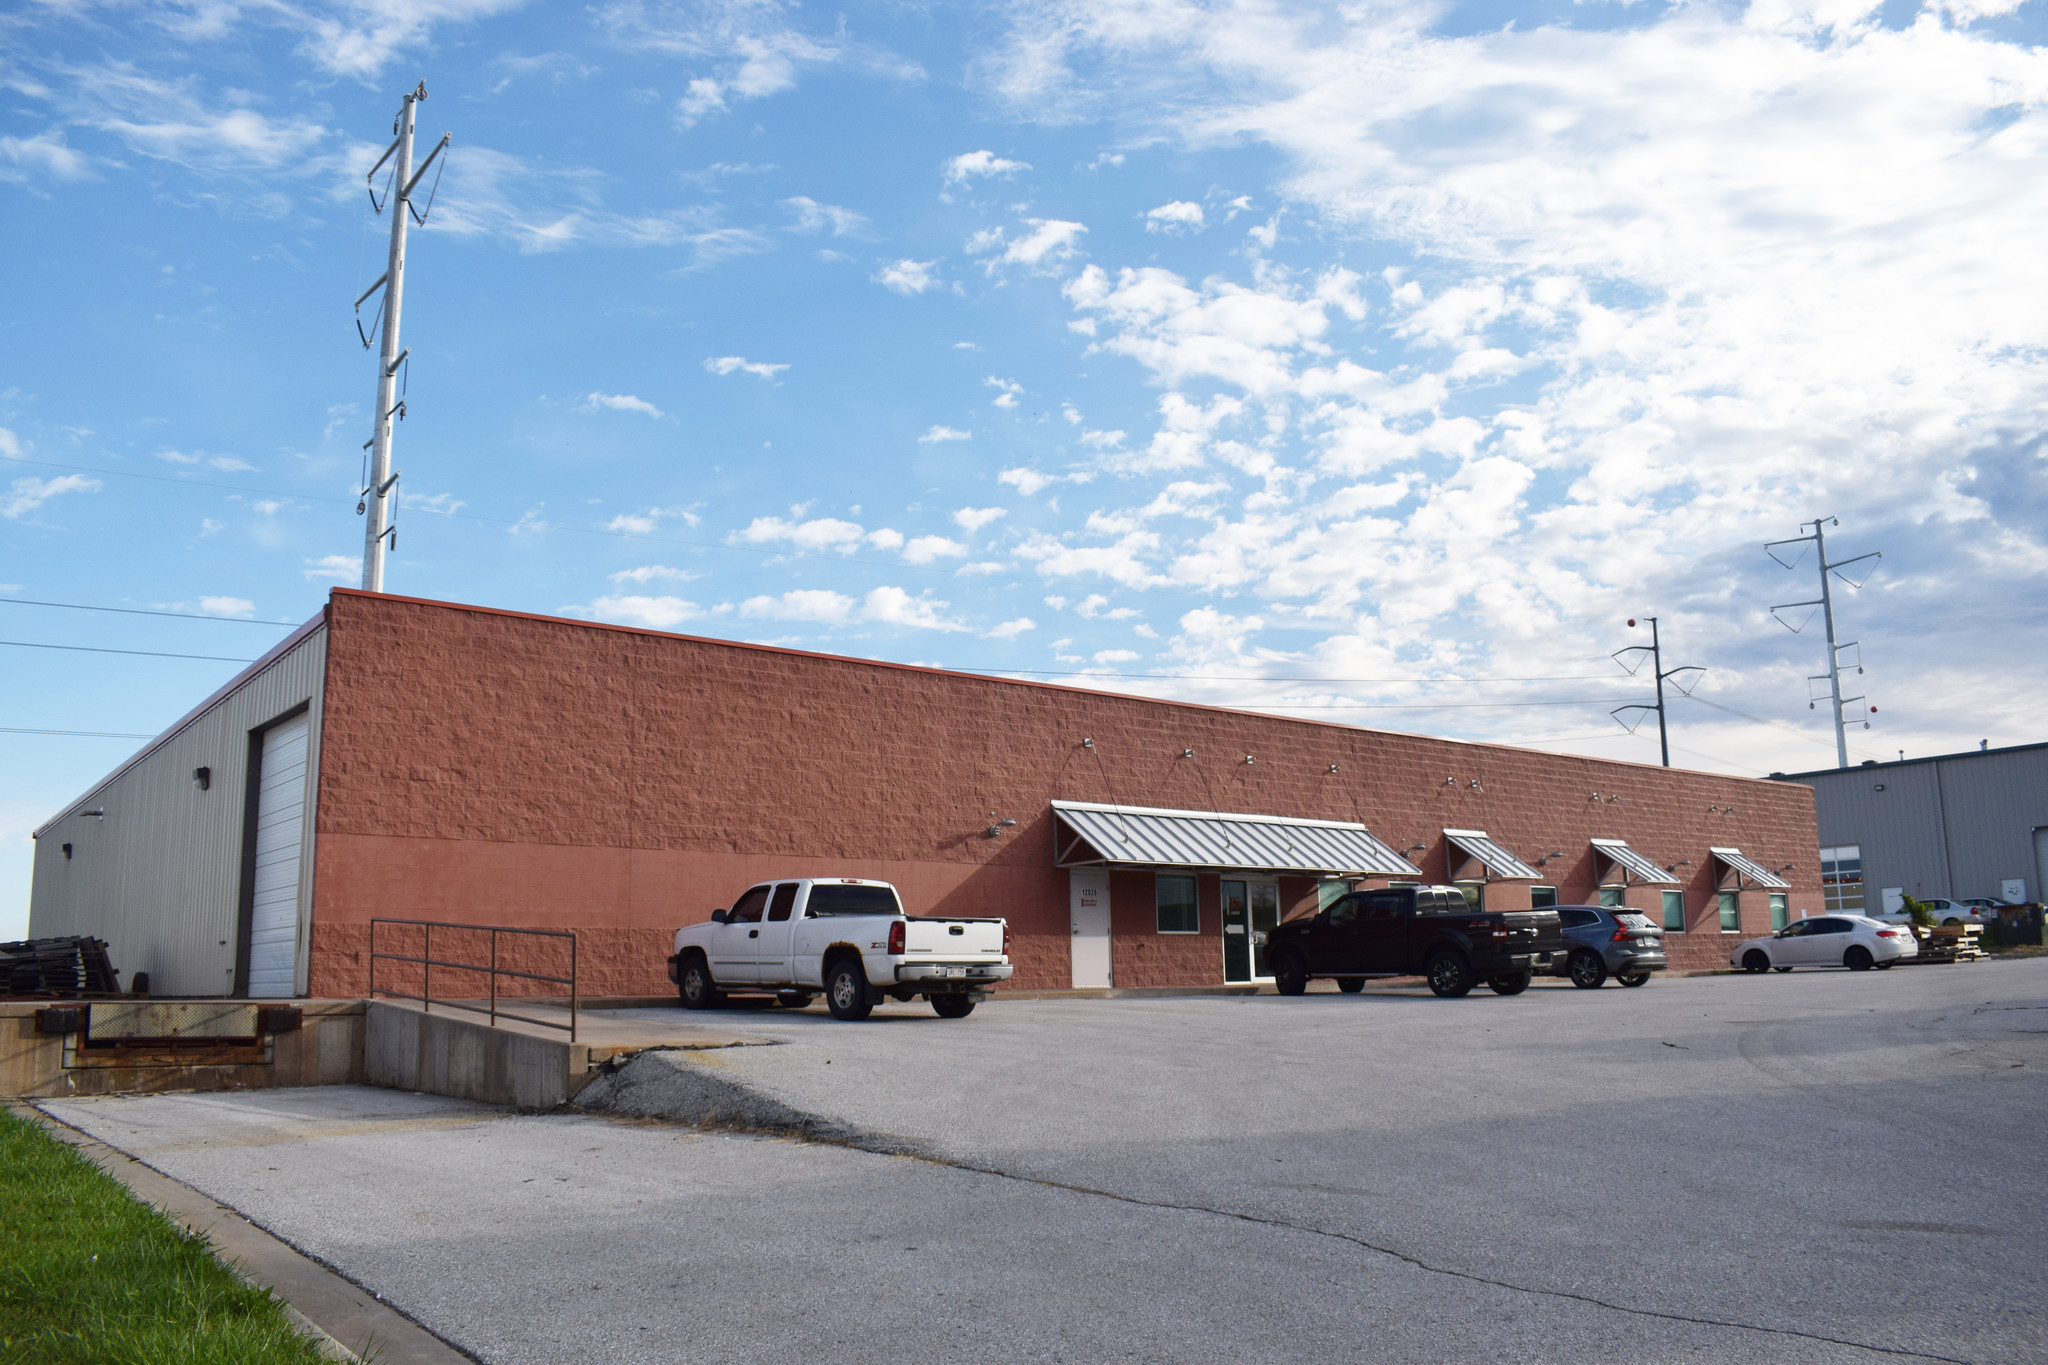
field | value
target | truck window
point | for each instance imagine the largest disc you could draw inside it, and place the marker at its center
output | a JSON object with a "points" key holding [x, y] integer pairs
{"points": [[784, 902], [1386, 904], [828, 901], [1344, 913], [748, 908]]}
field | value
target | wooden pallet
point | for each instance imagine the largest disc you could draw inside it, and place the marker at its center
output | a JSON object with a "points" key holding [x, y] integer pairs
{"points": [[1964, 943]]}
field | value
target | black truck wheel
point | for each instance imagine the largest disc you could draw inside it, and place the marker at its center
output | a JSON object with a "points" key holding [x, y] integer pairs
{"points": [[1351, 985], [1450, 976], [1633, 978], [953, 1006], [1858, 958], [793, 1000], [694, 984], [1587, 970], [1756, 960], [1514, 983], [846, 990], [1290, 973]]}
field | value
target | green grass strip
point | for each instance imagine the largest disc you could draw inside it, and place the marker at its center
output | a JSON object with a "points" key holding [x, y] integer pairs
{"points": [[91, 1276]]}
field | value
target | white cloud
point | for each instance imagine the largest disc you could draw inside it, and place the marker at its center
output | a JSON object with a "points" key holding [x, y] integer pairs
{"points": [[26, 495], [655, 613], [1010, 391], [45, 153], [341, 568], [980, 165], [812, 216], [1178, 216], [818, 535], [226, 464], [10, 445], [646, 522], [618, 402], [733, 364], [972, 519], [1115, 656], [895, 607], [907, 276], [227, 606], [650, 573], [1095, 607], [1031, 481], [1010, 630], [882, 606], [938, 433], [1051, 243], [925, 549]]}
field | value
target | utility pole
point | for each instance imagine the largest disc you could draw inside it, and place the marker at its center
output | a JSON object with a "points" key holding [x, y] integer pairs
{"points": [[379, 534], [1826, 603], [1655, 650]]}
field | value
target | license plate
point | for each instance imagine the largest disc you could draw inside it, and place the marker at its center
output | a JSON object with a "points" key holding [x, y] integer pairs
{"points": [[956, 971]]}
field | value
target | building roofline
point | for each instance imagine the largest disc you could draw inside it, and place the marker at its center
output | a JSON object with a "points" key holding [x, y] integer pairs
{"points": [[271, 656], [1096, 693], [1906, 763]]}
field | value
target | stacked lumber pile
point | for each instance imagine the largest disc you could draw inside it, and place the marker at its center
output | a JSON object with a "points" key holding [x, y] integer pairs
{"points": [[57, 966], [1962, 943]]}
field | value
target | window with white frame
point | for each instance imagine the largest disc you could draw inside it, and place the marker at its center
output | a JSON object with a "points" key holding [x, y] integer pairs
{"points": [[1674, 911], [1841, 879], [1731, 914]]}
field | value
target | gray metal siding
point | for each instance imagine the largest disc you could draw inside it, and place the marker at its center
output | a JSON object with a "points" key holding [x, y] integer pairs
{"points": [[159, 877], [1947, 827]]}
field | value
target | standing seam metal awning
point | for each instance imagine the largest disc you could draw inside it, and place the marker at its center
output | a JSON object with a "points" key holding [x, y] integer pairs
{"points": [[1632, 863], [1502, 864], [1088, 834], [1747, 869]]}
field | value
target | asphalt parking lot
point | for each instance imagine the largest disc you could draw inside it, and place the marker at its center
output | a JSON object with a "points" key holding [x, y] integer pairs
{"points": [[1823, 1166]]}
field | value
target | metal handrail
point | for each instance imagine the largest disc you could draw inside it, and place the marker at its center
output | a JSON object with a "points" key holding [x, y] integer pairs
{"points": [[428, 962]]}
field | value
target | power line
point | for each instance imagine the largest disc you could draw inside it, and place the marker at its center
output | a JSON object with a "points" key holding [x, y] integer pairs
{"points": [[1404, 705], [138, 611], [1226, 677], [79, 734], [143, 653]]}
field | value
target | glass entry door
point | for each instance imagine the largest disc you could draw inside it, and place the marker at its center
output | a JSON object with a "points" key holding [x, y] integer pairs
{"points": [[1251, 911]]}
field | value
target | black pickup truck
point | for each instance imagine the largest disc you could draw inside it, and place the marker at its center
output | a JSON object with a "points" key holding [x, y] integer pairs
{"points": [[1427, 931]]}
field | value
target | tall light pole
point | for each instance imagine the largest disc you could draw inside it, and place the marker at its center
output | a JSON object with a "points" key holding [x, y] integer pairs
{"points": [[1655, 650], [376, 501], [1826, 603]]}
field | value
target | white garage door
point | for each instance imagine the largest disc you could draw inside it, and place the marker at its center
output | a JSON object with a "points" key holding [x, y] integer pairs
{"points": [[280, 822]]}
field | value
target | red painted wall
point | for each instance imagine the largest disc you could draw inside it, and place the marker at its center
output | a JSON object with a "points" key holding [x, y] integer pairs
{"points": [[492, 767]]}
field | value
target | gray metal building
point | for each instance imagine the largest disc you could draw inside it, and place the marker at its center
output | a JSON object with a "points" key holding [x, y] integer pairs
{"points": [[1956, 825]]}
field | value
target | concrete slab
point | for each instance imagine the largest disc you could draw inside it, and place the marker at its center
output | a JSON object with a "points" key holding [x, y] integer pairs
{"points": [[1727, 1168]]}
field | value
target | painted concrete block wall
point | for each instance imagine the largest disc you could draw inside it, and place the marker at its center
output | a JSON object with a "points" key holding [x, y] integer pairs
{"points": [[495, 767]]}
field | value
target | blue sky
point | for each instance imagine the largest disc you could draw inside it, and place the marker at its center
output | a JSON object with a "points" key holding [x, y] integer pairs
{"points": [[1370, 363]]}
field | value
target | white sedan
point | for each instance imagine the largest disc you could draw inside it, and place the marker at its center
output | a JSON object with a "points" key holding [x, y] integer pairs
{"points": [[1853, 941]]}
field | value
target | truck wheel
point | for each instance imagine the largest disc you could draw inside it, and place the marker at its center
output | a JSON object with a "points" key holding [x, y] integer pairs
{"points": [[1290, 973], [695, 986], [1514, 983], [1633, 978], [953, 1006], [793, 1000], [846, 990], [1756, 960], [1450, 976], [1858, 958], [1351, 985], [1587, 970]]}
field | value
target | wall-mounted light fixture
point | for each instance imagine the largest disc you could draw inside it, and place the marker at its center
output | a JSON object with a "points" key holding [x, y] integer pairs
{"points": [[1614, 800], [202, 778], [1333, 768], [1554, 853], [1474, 785], [996, 826], [1878, 788], [1249, 760], [97, 813], [67, 853], [1682, 862], [1088, 743], [1187, 753], [1789, 867]]}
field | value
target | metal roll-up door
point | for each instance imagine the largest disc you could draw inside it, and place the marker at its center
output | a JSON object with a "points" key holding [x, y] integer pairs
{"points": [[280, 838]]}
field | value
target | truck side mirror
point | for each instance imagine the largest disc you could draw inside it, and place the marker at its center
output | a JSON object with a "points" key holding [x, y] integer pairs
{"points": [[718, 916]]}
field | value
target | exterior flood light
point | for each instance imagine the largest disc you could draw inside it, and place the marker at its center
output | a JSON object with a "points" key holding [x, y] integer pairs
{"points": [[996, 827], [202, 778]]}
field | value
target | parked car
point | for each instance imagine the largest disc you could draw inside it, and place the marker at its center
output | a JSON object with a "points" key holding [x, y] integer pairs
{"points": [[1431, 931], [1602, 941], [1857, 942], [1949, 913], [845, 936]]}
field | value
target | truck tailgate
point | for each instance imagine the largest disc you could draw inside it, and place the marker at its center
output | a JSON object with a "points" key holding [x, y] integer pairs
{"points": [[952, 939], [1534, 930]]}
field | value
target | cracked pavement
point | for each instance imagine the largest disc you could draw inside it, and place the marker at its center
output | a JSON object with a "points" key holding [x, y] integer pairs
{"points": [[1823, 1166]]}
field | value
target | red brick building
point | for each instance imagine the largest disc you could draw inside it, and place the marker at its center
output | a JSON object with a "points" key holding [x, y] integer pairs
{"points": [[466, 764]]}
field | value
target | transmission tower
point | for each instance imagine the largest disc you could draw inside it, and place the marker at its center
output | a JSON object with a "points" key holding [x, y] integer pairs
{"points": [[1826, 603], [380, 533], [1655, 650]]}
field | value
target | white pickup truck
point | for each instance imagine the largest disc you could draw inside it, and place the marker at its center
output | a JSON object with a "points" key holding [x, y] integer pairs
{"points": [[844, 936]]}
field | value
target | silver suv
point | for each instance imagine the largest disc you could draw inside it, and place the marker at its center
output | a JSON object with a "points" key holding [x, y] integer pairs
{"points": [[1602, 941]]}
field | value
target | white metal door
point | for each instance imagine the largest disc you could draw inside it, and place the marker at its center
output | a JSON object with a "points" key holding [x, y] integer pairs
{"points": [[280, 838], [1088, 892], [2041, 864]]}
